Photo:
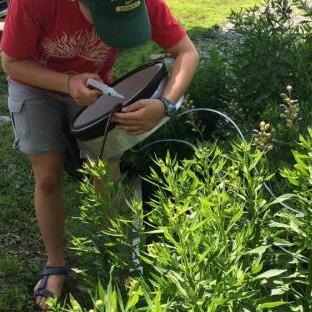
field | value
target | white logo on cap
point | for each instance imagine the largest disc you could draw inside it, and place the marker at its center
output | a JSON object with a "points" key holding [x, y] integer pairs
{"points": [[129, 6]]}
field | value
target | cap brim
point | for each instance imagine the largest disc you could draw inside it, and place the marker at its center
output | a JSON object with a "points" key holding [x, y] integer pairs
{"points": [[123, 33]]}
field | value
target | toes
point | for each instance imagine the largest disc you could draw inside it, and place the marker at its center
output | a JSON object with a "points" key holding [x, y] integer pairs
{"points": [[40, 301], [43, 305], [53, 285]]}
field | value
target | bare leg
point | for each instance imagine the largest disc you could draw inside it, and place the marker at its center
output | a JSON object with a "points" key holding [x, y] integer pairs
{"points": [[49, 206]]}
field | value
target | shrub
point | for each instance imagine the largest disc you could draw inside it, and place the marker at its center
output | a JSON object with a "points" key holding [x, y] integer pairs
{"points": [[293, 233], [209, 242], [245, 78]]}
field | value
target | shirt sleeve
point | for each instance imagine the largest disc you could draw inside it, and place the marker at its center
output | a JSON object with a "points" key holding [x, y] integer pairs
{"points": [[22, 28], [166, 30]]}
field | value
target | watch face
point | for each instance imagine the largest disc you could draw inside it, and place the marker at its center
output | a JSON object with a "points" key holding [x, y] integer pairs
{"points": [[171, 109]]}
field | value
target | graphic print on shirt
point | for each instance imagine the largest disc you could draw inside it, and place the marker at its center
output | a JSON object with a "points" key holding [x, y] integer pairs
{"points": [[82, 43]]}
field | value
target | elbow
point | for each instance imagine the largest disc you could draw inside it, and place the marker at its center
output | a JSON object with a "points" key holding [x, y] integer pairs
{"points": [[196, 56], [4, 64], [195, 53], [7, 63]]}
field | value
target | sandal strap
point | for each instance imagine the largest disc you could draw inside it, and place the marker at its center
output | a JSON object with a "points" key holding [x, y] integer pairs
{"points": [[43, 292], [62, 270], [47, 271], [43, 282]]}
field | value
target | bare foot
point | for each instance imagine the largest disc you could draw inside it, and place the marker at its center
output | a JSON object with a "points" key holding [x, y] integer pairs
{"points": [[55, 285]]}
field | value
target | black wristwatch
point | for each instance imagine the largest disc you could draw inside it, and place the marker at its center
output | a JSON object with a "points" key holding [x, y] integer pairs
{"points": [[170, 107]]}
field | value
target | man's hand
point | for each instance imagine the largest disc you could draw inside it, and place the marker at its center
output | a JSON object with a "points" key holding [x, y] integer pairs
{"points": [[78, 90], [140, 116]]}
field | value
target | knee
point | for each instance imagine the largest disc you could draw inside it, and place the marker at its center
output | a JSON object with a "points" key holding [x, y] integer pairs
{"points": [[48, 182]]}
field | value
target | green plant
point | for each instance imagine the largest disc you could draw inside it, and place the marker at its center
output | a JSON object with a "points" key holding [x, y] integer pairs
{"points": [[286, 122], [263, 137], [293, 232], [245, 78], [93, 245], [207, 241], [291, 108]]}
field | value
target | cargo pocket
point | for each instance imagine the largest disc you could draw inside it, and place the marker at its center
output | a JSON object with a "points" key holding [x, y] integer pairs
{"points": [[19, 118]]}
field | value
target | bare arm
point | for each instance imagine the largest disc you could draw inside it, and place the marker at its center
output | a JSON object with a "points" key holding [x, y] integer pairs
{"points": [[35, 74], [30, 72], [185, 64], [1, 31]]}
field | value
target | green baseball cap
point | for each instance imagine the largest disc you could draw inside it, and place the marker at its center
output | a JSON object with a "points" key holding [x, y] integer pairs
{"points": [[120, 23]]}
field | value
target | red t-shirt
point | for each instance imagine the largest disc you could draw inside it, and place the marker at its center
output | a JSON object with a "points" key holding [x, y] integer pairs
{"points": [[57, 35]]}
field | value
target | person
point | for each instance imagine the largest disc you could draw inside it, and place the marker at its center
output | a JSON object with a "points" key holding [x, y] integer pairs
{"points": [[1, 30], [49, 50]]}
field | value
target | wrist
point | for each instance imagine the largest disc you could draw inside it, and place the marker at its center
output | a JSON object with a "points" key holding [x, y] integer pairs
{"points": [[169, 106], [68, 80], [162, 108]]}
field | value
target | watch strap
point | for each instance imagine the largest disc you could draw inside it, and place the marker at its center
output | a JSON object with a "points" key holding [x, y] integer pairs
{"points": [[167, 103]]}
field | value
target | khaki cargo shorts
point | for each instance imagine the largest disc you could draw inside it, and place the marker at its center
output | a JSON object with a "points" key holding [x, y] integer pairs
{"points": [[40, 118]]}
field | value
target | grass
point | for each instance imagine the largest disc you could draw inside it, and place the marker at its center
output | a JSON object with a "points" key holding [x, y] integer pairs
{"points": [[205, 13], [21, 251], [19, 239]]}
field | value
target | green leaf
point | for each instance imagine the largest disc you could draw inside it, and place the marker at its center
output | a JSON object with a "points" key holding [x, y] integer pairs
{"points": [[270, 273], [259, 250], [133, 300], [272, 304], [278, 291]]}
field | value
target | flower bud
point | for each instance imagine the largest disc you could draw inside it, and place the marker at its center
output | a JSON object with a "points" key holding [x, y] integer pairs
{"points": [[262, 125], [98, 303]]}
